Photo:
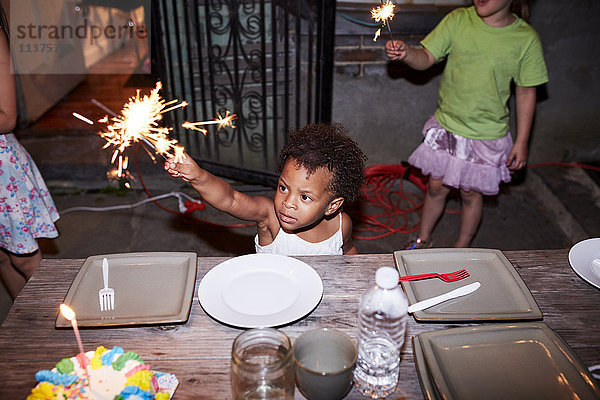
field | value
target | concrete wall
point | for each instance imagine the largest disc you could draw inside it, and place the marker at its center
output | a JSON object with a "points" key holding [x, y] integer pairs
{"points": [[46, 77], [37, 90], [385, 104]]}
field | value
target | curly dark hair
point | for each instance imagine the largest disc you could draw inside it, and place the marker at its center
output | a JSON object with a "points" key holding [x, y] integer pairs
{"points": [[330, 146]]}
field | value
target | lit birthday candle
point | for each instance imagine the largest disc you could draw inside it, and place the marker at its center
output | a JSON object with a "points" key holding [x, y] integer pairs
{"points": [[69, 315]]}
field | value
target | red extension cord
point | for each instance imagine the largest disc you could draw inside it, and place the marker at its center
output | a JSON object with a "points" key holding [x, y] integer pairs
{"points": [[383, 191]]}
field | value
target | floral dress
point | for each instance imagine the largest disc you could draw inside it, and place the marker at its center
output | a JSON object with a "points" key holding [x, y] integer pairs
{"points": [[27, 211]]}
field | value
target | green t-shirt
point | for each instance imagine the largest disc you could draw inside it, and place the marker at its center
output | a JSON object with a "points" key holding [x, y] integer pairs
{"points": [[482, 62]]}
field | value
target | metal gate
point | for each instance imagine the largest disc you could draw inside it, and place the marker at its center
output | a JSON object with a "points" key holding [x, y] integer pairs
{"points": [[268, 61]]}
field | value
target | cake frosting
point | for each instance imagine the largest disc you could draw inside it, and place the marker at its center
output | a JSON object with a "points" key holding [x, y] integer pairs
{"points": [[113, 375]]}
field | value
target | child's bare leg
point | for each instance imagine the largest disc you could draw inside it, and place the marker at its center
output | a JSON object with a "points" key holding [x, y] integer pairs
{"points": [[16, 270], [433, 207], [13, 280], [26, 264], [472, 209]]}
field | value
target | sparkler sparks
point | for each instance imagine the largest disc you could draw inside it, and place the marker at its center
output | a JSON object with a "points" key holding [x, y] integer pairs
{"points": [[139, 121], [122, 177], [222, 122], [84, 119], [383, 14]]}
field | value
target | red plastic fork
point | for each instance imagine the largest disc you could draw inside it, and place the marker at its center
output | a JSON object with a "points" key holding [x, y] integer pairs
{"points": [[449, 277]]}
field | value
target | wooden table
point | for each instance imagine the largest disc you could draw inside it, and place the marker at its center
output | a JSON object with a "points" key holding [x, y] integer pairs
{"points": [[198, 351]]}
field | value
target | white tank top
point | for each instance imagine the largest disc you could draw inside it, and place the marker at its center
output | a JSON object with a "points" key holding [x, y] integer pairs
{"points": [[290, 244]]}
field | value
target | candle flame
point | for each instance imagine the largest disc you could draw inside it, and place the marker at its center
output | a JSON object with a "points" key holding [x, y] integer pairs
{"points": [[67, 312]]}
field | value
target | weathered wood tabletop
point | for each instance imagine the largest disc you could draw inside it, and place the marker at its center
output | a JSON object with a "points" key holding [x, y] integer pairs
{"points": [[198, 351]]}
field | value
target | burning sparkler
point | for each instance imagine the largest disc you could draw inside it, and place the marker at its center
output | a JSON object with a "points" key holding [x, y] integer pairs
{"points": [[139, 120], [383, 14]]}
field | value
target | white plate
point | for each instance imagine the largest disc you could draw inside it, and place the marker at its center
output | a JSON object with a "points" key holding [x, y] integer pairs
{"points": [[260, 290], [584, 258]]}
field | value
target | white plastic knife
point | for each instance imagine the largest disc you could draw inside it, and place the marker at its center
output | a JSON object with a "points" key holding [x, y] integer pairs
{"points": [[461, 291]]}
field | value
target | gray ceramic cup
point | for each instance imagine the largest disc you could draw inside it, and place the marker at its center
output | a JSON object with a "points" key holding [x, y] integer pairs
{"points": [[325, 360]]}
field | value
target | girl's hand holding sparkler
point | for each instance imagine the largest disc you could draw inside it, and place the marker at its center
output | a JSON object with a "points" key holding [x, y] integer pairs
{"points": [[217, 192], [183, 167], [396, 49], [416, 58], [213, 190]]}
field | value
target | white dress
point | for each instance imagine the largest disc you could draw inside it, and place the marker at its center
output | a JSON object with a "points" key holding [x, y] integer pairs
{"points": [[289, 244]]}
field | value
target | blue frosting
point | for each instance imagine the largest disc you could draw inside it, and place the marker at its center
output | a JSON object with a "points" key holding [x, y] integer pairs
{"points": [[55, 378], [108, 356], [136, 391]]}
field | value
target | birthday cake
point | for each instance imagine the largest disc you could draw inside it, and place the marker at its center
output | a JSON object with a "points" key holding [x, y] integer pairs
{"points": [[113, 375]]}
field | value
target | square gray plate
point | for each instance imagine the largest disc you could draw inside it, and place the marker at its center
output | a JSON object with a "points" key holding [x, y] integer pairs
{"points": [[502, 296], [516, 361], [425, 380], [150, 288]]}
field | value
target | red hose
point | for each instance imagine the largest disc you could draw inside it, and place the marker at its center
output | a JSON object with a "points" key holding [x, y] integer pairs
{"points": [[395, 205]]}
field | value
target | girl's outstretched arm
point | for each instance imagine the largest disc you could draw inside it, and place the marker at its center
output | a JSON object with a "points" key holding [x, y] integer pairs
{"points": [[218, 193], [525, 98], [416, 58]]}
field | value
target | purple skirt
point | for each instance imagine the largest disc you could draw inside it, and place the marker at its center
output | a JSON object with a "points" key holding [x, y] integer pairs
{"points": [[462, 163]]}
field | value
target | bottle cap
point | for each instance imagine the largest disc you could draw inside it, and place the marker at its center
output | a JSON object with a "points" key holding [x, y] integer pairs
{"points": [[387, 277]]}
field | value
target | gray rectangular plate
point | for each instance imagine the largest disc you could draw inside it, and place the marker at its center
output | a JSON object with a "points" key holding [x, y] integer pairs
{"points": [[425, 380], [502, 296], [520, 361], [150, 288]]}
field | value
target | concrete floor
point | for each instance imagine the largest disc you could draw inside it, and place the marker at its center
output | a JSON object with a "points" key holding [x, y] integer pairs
{"points": [[552, 208]]}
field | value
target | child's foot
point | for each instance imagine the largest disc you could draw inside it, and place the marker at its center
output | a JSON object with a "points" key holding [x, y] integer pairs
{"points": [[417, 243]]}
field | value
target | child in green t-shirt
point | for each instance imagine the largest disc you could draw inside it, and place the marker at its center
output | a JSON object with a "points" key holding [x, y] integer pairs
{"points": [[467, 142]]}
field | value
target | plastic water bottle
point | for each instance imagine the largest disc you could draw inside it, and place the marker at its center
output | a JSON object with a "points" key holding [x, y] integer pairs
{"points": [[382, 316]]}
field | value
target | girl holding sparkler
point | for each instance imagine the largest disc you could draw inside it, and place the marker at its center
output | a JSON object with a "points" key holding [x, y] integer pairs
{"points": [[321, 168], [467, 142], [27, 211]]}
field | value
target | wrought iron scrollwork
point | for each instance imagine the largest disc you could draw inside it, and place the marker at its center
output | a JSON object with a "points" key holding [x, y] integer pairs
{"points": [[236, 27], [255, 58]]}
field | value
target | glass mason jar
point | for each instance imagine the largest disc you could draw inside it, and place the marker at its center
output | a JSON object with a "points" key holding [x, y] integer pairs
{"points": [[262, 365]]}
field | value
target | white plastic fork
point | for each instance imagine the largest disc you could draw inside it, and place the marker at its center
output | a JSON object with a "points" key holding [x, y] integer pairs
{"points": [[106, 296]]}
